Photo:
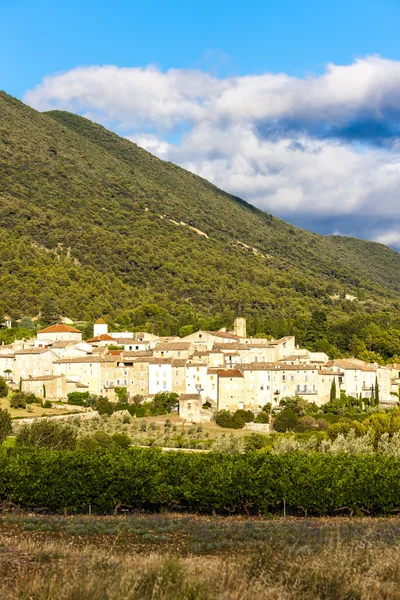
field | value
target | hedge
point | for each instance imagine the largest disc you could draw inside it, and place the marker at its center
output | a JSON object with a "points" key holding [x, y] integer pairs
{"points": [[148, 479]]}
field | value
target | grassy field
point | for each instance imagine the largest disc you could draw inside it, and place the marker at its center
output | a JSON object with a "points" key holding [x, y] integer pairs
{"points": [[174, 557], [33, 410]]}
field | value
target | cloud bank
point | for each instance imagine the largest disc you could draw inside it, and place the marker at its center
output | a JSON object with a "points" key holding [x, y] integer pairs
{"points": [[314, 150]]}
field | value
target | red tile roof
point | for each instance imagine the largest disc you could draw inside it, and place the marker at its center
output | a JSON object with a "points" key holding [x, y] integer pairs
{"points": [[59, 328]]}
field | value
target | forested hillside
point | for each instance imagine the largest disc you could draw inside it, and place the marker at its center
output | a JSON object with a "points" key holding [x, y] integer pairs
{"points": [[105, 228]]}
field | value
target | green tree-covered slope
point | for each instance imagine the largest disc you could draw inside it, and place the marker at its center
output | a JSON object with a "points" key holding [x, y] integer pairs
{"points": [[106, 228]]}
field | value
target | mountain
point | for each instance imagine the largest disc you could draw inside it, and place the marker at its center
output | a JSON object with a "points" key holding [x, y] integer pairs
{"points": [[106, 228]]}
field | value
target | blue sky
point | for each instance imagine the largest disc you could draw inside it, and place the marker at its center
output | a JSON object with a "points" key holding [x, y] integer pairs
{"points": [[228, 55]]}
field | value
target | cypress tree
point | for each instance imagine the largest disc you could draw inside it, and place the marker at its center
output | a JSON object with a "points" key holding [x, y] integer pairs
{"points": [[333, 390], [376, 392]]}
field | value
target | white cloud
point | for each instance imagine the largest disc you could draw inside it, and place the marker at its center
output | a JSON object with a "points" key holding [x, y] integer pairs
{"points": [[283, 143]]}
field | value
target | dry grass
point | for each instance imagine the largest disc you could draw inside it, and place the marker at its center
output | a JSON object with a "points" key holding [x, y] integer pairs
{"points": [[37, 410], [108, 559]]}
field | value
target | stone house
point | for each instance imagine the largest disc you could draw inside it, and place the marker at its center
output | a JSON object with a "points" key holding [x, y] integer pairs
{"points": [[33, 362], [173, 350], [191, 408], [7, 366], [49, 387], [160, 375], [231, 389], [59, 333]]}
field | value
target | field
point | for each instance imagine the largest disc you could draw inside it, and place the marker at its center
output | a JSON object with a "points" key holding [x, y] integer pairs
{"points": [[34, 410], [174, 557]]}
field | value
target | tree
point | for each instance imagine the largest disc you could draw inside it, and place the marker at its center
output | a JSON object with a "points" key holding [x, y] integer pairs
{"points": [[333, 390], [27, 323], [317, 327], [18, 400], [228, 420], [122, 395], [50, 311], [166, 400], [262, 417], [47, 434], [5, 424], [286, 420], [3, 388], [376, 399], [104, 406]]}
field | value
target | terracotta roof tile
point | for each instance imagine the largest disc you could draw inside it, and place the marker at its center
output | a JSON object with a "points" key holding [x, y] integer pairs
{"points": [[59, 328]]}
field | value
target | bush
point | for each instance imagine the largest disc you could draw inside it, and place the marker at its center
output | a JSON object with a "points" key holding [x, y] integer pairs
{"points": [[344, 427], [5, 424], [18, 400], [47, 404], [166, 400], [230, 444], [47, 434], [246, 415], [306, 423], [104, 406], [3, 388], [103, 441], [262, 417], [122, 395], [256, 441], [78, 398], [228, 420], [286, 420], [319, 483]]}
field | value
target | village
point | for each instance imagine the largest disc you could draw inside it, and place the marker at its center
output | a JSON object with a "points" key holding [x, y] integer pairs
{"points": [[222, 370]]}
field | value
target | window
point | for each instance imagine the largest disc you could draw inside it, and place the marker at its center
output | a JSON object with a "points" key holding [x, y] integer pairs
{"points": [[178, 353], [125, 372], [189, 406], [125, 382], [118, 381], [261, 387]]}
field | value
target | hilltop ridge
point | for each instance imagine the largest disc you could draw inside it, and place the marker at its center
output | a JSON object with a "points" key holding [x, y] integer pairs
{"points": [[107, 228]]}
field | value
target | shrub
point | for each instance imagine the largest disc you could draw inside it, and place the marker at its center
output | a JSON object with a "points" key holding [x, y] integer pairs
{"points": [[256, 441], [286, 420], [166, 400], [230, 444], [18, 400], [104, 406], [246, 415], [78, 398], [225, 482], [262, 417], [5, 424], [122, 395], [228, 420], [47, 434], [344, 427], [47, 404], [307, 422], [3, 388]]}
